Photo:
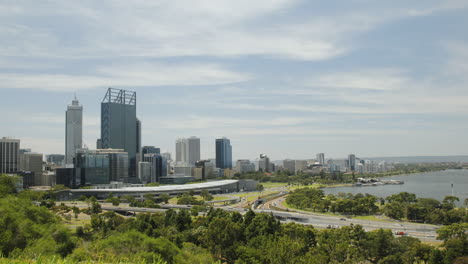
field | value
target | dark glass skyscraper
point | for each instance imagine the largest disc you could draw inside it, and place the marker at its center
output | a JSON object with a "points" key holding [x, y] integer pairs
{"points": [[120, 128], [149, 150], [223, 153], [158, 166]]}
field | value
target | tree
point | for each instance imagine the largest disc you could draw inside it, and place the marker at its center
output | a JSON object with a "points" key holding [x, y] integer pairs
{"points": [[394, 210], [96, 208], [8, 184], [114, 200], [165, 197], [260, 187], [206, 195], [453, 231], [221, 235], [449, 202], [149, 196]]}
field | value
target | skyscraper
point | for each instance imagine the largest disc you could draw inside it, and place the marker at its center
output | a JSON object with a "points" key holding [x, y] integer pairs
{"points": [[223, 153], [73, 130], [289, 165], [120, 128], [148, 150], [158, 166], [321, 158], [31, 161], [264, 163], [181, 150], [9, 155], [193, 144], [352, 162], [188, 150]]}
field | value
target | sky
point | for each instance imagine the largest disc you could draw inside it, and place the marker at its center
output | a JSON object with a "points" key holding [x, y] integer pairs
{"points": [[286, 78]]}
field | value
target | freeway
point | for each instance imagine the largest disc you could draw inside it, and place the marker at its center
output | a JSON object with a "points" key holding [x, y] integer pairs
{"points": [[424, 232]]}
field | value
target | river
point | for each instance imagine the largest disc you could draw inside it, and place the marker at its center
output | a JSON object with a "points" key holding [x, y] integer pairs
{"points": [[435, 185]]}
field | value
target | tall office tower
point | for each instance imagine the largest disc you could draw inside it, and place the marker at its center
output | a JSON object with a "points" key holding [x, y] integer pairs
{"points": [[264, 163], [301, 165], [289, 165], [181, 150], [138, 134], [73, 130], [352, 162], [193, 144], [148, 150], [144, 172], [9, 155], [119, 125], [223, 153], [321, 158], [158, 166], [32, 162]]}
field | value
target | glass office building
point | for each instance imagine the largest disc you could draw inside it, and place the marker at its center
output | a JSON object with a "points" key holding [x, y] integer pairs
{"points": [[120, 128], [101, 166], [223, 153]]}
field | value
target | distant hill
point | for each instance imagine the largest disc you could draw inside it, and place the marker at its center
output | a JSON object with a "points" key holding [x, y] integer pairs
{"points": [[422, 159], [410, 159]]}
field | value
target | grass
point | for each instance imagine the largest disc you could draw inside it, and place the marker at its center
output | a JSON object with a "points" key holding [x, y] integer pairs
{"points": [[369, 218], [267, 185], [217, 198], [260, 194], [359, 217]]}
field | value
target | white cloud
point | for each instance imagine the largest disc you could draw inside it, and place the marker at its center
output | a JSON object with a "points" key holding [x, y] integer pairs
{"points": [[215, 122], [440, 6], [371, 79], [129, 75]]}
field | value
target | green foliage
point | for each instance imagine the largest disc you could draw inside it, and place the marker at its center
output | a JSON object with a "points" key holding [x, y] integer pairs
{"points": [[188, 199], [33, 234], [27, 230], [427, 210], [314, 199], [7, 184], [165, 198], [114, 200], [459, 231], [206, 195]]}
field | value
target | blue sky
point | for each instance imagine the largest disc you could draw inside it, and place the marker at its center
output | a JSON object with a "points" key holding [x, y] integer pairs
{"points": [[285, 78]]}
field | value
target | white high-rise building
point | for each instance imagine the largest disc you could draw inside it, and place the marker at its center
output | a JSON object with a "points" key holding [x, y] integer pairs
{"points": [[289, 165], [9, 155], [244, 166], [188, 150], [73, 130], [321, 158], [301, 165], [181, 150], [193, 150]]}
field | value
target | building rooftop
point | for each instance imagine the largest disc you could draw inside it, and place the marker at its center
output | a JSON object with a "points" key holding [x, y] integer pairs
{"points": [[165, 188]]}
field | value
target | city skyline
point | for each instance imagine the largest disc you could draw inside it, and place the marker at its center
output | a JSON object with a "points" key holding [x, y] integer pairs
{"points": [[286, 78]]}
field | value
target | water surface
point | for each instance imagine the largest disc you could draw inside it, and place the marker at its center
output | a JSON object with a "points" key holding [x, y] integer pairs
{"points": [[435, 185]]}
